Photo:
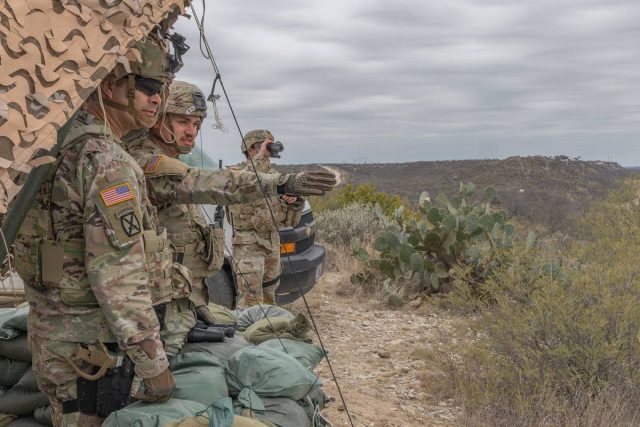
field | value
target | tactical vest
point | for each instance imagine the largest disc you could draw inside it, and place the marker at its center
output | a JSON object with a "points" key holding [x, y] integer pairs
{"points": [[198, 245], [44, 262]]}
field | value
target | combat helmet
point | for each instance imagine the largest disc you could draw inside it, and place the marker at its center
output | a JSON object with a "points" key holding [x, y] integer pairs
{"points": [[253, 137], [147, 68], [186, 99]]}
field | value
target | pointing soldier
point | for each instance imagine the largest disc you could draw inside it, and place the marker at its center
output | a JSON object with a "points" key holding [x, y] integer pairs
{"points": [[256, 243], [90, 256], [175, 189]]}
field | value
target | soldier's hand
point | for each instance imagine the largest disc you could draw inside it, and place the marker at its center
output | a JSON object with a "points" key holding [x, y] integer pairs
{"points": [[309, 183], [158, 388]]}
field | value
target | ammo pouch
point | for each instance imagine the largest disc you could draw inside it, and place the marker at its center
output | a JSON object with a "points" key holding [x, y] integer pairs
{"points": [[159, 259], [205, 255], [181, 281], [109, 393], [59, 265]]}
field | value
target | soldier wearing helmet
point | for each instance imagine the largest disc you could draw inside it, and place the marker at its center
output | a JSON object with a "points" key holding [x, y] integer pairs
{"points": [[256, 242], [176, 190], [90, 256]]}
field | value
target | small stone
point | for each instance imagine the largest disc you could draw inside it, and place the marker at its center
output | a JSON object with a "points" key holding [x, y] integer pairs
{"points": [[383, 354], [341, 408], [416, 302]]}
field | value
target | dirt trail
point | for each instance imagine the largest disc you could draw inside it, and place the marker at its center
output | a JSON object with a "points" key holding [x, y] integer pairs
{"points": [[371, 349]]}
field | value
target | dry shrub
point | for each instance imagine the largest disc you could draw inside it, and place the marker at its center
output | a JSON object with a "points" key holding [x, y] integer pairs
{"points": [[340, 225], [553, 338]]}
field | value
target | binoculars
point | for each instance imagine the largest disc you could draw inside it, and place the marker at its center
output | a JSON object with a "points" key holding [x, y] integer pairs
{"points": [[214, 332], [275, 149]]}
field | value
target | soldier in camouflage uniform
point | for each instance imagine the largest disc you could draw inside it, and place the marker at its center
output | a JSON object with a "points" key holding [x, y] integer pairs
{"points": [[176, 190], [256, 242], [88, 251]]}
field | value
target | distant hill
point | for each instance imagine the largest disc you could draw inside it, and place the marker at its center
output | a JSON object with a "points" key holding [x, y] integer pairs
{"points": [[545, 190]]}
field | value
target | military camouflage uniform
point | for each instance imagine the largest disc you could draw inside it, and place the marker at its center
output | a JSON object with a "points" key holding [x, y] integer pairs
{"points": [[256, 242], [176, 189], [88, 255]]}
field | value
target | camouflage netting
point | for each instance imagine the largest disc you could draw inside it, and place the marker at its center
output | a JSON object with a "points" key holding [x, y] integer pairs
{"points": [[53, 54]]}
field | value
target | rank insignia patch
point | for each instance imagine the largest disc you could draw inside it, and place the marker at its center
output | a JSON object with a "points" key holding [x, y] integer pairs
{"points": [[152, 164], [117, 194]]}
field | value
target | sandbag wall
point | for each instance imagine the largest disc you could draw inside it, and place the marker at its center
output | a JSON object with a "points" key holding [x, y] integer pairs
{"points": [[259, 379], [21, 403]]}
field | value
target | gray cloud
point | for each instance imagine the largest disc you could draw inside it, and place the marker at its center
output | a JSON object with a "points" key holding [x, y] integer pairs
{"points": [[409, 80]]}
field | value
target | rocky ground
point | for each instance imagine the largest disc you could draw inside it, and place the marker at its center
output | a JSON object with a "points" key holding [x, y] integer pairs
{"points": [[372, 350]]}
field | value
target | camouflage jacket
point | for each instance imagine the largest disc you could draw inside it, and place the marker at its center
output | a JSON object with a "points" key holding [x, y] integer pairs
{"points": [[197, 245], [89, 281], [252, 222], [171, 181]]}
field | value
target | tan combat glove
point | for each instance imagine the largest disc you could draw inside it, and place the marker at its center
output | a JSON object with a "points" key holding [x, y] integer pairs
{"points": [[314, 183], [151, 364]]}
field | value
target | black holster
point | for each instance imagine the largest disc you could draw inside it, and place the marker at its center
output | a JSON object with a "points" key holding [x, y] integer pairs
{"points": [[109, 393]]}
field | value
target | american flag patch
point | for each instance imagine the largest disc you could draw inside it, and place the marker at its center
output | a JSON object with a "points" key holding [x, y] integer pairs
{"points": [[152, 164], [117, 194]]}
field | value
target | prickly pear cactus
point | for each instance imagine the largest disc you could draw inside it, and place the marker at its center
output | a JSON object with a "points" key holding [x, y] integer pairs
{"points": [[447, 233], [53, 54]]}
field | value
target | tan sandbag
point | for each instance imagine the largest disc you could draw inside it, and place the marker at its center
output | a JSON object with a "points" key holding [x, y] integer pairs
{"points": [[279, 327], [203, 421], [222, 314]]}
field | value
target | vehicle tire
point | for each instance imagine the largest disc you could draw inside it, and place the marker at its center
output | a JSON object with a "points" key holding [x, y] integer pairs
{"points": [[221, 289]]}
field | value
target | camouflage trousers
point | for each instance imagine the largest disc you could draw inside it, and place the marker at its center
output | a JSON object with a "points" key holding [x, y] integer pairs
{"points": [[57, 379], [179, 318], [257, 272]]}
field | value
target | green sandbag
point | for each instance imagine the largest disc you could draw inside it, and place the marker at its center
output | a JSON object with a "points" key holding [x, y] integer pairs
{"points": [[258, 312], [221, 350], [16, 349], [307, 354], [200, 377], [28, 381], [281, 411], [261, 371], [13, 321], [25, 422], [11, 371], [222, 314], [43, 415], [296, 328], [312, 404], [21, 402], [141, 414]]}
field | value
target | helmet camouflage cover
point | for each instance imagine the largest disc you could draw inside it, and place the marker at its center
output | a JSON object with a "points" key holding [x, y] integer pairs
{"points": [[255, 136], [186, 99], [147, 58]]}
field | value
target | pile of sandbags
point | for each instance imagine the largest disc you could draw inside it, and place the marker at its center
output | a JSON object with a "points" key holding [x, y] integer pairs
{"points": [[255, 379], [21, 403]]}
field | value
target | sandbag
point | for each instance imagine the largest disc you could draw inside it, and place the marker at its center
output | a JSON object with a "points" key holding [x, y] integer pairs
{"points": [[222, 314], [43, 415], [281, 411], [200, 377], [296, 328], [309, 355], [312, 404], [258, 312], [141, 414], [25, 422], [13, 321], [19, 401], [254, 371], [16, 349], [221, 350], [218, 414], [11, 371], [28, 381]]}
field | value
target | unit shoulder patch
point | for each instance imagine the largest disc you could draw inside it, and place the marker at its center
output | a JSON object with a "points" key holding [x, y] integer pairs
{"points": [[117, 194]]}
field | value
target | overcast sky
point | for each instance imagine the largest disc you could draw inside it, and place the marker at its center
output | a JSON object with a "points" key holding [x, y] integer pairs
{"points": [[406, 80]]}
